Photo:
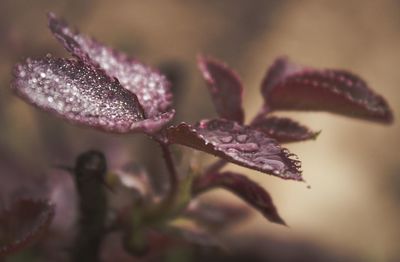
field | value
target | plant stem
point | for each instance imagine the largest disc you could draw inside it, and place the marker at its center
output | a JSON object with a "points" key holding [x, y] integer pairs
{"points": [[173, 176], [89, 173]]}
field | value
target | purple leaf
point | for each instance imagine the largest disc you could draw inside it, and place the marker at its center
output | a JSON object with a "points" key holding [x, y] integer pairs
{"points": [[243, 187], [82, 94], [23, 223], [291, 87], [151, 87], [225, 88], [238, 144], [285, 130]]}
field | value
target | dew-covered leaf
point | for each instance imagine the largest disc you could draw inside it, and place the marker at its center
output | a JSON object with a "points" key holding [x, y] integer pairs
{"points": [[238, 144], [151, 87], [243, 187], [285, 130], [82, 94], [23, 223], [290, 87], [225, 88]]}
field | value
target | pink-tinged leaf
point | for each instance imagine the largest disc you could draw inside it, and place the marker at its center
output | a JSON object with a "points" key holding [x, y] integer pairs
{"points": [[238, 144], [290, 87], [152, 88], [243, 187], [225, 88], [23, 223], [82, 94], [216, 216], [285, 130]]}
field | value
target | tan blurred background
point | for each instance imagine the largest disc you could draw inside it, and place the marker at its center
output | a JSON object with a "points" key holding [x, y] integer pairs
{"points": [[353, 206]]}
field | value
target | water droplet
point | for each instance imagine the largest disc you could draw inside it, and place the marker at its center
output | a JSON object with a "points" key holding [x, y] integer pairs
{"points": [[226, 139], [22, 73], [241, 138]]}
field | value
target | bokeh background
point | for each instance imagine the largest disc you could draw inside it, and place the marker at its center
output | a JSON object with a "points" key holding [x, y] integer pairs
{"points": [[351, 212]]}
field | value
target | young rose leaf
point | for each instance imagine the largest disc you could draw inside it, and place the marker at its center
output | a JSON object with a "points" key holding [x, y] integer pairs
{"points": [[285, 130], [276, 73], [151, 87], [82, 94], [243, 187], [225, 88], [238, 144], [23, 223], [290, 87]]}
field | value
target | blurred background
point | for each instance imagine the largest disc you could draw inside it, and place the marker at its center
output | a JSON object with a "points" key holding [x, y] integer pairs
{"points": [[351, 212]]}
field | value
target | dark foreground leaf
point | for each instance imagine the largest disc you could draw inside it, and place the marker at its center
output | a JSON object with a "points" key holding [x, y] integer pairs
{"points": [[238, 144], [244, 188], [82, 94], [151, 87], [291, 87], [225, 88], [23, 223], [285, 130]]}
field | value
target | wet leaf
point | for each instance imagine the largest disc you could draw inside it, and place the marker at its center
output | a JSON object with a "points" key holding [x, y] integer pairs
{"points": [[285, 130], [291, 87], [23, 223], [238, 144], [151, 87], [225, 88], [244, 188], [82, 94]]}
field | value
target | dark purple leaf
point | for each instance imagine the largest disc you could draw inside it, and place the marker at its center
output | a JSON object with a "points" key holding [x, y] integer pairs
{"points": [[82, 94], [238, 144], [243, 187], [225, 88], [151, 87], [290, 87], [280, 69], [23, 223], [216, 216], [285, 130]]}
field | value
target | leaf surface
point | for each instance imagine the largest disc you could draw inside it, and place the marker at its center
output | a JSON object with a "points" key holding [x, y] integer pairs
{"points": [[244, 188], [23, 223], [292, 87], [283, 129], [238, 144], [82, 94], [151, 87], [225, 88]]}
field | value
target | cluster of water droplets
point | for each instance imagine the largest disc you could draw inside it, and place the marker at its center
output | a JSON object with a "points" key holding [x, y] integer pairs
{"points": [[151, 87], [77, 92], [249, 147]]}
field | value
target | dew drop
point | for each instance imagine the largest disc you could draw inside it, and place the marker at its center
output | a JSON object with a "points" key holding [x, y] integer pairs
{"points": [[241, 138], [226, 139]]}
